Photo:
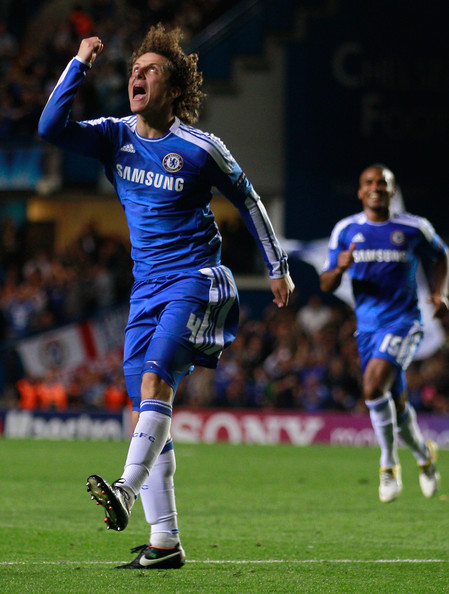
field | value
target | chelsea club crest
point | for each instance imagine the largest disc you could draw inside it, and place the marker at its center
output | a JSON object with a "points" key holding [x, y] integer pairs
{"points": [[172, 162], [397, 237]]}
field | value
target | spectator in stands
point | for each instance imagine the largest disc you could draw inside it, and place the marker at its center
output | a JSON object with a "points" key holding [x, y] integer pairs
{"points": [[115, 394], [81, 22], [8, 44], [314, 316], [28, 393], [10, 238], [284, 385], [314, 394], [51, 392]]}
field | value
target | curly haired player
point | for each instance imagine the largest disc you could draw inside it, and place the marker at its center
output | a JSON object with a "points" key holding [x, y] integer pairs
{"points": [[184, 302]]}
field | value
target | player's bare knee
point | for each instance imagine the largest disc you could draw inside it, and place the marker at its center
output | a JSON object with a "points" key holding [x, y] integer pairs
{"points": [[378, 379], [155, 387], [372, 388]]}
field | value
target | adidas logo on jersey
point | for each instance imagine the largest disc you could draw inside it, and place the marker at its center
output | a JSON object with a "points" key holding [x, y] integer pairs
{"points": [[358, 237], [128, 148]]}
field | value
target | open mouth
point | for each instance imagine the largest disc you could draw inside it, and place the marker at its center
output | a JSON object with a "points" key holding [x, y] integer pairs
{"points": [[138, 90]]}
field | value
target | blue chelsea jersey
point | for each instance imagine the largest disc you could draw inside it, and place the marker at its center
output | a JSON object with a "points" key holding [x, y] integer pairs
{"points": [[164, 185], [386, 257]]}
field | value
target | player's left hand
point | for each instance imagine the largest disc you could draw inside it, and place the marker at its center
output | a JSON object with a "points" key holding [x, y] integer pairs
{"points": [[441, 305], [282, 289]]}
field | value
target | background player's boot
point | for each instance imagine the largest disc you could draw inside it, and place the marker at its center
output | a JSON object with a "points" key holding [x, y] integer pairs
{"points": [[390, 485], [429, 477], [115, 501], [156, 558]]}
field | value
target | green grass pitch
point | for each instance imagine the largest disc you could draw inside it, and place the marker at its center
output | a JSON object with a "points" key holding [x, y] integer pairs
{"points": [[252, 518]]}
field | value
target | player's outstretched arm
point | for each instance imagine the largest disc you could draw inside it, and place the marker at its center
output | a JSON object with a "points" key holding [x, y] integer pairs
{"points": [[55, 124], [282, 289]]}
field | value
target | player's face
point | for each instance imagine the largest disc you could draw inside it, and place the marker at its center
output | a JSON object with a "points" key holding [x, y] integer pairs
{"points": [[149, 84], [376, 188]]}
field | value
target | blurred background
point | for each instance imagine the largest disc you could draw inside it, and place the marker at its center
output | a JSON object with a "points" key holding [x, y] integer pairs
{"points": [[305, 93]]}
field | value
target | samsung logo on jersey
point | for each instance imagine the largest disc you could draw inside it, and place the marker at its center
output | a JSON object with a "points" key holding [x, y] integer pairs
{"points": [[379, 256], [149, 178]]}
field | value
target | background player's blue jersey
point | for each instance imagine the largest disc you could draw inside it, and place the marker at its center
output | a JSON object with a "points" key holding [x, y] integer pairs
{"points": [[163, 184], [386, 257]]}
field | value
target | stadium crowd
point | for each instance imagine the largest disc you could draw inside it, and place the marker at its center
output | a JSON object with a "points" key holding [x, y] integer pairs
{"points": [[48, 290], [302, 358]]}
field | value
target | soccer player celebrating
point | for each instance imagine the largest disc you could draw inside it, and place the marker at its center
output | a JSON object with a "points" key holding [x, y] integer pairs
{"points": [[184, 302], [381, 250]]}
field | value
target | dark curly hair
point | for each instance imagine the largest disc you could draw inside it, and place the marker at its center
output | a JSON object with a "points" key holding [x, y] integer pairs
{"points": [[182, 67]]}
